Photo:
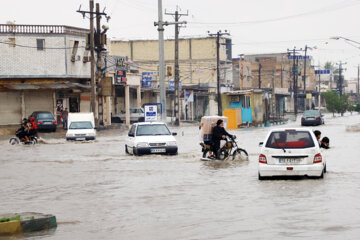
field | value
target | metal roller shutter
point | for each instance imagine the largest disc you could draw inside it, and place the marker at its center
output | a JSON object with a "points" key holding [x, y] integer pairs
{"points": [[39, 101], [10, 108]]}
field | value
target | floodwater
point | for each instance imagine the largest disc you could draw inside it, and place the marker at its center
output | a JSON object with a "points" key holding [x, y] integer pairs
{"points": [[97, 191]]}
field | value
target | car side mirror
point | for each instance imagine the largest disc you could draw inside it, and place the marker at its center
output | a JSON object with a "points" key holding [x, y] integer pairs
{"points": [[174, 134], [261, 144], [131, 135]]}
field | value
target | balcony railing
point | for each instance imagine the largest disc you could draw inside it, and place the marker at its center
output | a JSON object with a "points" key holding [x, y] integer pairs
{"points": [[42, 29]]}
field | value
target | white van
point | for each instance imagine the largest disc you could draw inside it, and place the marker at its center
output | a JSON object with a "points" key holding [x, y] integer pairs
{"points": [[81, 126]]}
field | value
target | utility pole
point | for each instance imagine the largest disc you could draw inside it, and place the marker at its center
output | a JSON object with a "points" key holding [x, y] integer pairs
{"points": [[98, 48], [357, 90], [176, 67], [340, 82], [304, 77], [295, 76], [218, 35], [260, 66]]}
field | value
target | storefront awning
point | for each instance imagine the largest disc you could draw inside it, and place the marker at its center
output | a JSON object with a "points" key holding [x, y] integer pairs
{"points": [[43, 86]]}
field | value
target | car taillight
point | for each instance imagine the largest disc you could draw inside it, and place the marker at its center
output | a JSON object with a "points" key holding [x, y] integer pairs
{"points": [[54, 122], [262, 158], [318, 118], [318, 158], [39, 123], [302, 119]]}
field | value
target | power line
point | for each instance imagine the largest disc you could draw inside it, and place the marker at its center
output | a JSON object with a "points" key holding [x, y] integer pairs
{"points": [[24, 46]]}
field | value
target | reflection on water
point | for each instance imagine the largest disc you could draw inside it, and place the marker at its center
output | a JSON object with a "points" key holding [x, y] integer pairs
{"points": [[97, 191]]}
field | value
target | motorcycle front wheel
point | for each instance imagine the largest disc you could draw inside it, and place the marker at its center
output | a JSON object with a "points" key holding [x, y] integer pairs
{"points": [[240, 154]]}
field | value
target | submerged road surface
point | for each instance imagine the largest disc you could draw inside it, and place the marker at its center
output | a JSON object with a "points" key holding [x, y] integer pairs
{"points": [[97, 191]]}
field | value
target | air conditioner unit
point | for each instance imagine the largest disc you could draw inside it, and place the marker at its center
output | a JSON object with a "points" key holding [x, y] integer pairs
{"points": [[78, 58], [73, 58]]}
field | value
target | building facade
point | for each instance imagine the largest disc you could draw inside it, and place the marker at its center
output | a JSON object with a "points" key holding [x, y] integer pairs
{"points": [[197, 67], [42, 68]]}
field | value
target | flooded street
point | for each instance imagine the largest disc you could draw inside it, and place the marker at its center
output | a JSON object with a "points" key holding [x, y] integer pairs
{"points": [[96, 191]]}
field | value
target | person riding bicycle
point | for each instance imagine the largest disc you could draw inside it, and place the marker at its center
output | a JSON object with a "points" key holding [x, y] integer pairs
{"points": [[218, 133]]}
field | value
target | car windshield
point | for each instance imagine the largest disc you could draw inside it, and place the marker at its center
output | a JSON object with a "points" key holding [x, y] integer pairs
{"points": [[45, 115], [81, 125], [311, 113], [290, 139], [152, 130]]}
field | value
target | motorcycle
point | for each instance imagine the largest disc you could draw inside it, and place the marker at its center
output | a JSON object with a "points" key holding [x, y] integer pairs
{"points": [[32, 140], [229, 149]]}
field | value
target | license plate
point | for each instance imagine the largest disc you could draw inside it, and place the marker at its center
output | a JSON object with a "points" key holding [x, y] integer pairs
{"points": [[310, 118], [80, 139], [158, 150], [289, 160], [47, 123]]}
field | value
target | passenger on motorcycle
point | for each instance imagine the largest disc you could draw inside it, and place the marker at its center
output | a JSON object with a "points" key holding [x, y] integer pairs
{"points": [[218, 133], [20, 133]]}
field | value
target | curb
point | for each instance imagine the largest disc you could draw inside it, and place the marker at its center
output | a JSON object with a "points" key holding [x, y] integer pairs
{"points": [[30, 222]]}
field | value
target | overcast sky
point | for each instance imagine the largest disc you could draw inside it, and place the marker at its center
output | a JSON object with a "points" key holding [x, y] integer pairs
{"points": [[256, 26]]}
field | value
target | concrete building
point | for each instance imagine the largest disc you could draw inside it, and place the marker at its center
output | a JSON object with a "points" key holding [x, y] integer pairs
{"points": [[273, 74], [198, 77], [42, 68]]}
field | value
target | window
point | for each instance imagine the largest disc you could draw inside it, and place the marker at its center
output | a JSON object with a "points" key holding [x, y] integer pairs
{"points": [[132, 131], [81, 125], [152, 130], [246, 101], [74, 51], [40, 44], [290, 139], [11, 42]]}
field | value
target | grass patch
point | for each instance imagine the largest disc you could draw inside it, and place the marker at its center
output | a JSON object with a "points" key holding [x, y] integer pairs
{"points": [[15, 218]]}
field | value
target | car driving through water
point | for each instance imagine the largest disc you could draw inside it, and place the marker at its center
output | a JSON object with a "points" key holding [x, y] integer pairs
{"points": [[291, 152], [150, 137]]}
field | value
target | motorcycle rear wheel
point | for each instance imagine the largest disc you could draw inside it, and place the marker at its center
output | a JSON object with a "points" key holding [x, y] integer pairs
{"points": [[14, 141]]}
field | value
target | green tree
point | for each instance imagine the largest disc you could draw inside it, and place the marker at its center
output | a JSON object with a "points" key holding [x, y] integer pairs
{"points": [[357, 107], [343, 104], [332, 101]]}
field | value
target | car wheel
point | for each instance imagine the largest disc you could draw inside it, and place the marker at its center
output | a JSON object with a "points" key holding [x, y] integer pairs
{"points": [[325, 169], [141, 119], [135, 152], [126, 149], [322, 175], [260, 177]]}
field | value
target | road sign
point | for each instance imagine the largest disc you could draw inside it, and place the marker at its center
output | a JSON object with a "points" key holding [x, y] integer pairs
{"points": [[151, 114], [326, 71]]}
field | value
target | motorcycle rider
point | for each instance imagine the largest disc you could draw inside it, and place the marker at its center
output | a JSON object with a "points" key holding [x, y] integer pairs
{"points": [[218, 133]]}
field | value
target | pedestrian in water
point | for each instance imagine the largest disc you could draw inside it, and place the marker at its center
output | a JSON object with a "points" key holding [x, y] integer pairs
{"points": [[318, 136], [64, 116], [325, 143]]}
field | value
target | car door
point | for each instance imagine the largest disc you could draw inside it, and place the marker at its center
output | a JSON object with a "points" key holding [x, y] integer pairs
{"points": [[131, 137]]}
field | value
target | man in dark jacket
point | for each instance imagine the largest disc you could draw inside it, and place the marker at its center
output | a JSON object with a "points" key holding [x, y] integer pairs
{"points": [[218, 133]]}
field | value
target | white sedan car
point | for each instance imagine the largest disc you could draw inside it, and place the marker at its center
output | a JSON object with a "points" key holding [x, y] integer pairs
{"points": [[150, 137], [291, 152]]}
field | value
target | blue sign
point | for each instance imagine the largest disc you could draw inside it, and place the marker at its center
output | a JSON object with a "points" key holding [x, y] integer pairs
{"points": [[326, 71], [147, 79], [151, 113], [172, 85]]}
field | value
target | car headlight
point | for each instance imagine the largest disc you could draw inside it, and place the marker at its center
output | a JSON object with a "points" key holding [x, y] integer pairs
{"points": [[142, 144], [172, 143]]}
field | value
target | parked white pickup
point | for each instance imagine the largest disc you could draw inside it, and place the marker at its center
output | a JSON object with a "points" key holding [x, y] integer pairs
{"points": [[136, 115]]}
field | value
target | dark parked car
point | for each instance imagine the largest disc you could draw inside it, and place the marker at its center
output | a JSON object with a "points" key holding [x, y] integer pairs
{"points": [[312, 117], [44, 120]]}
